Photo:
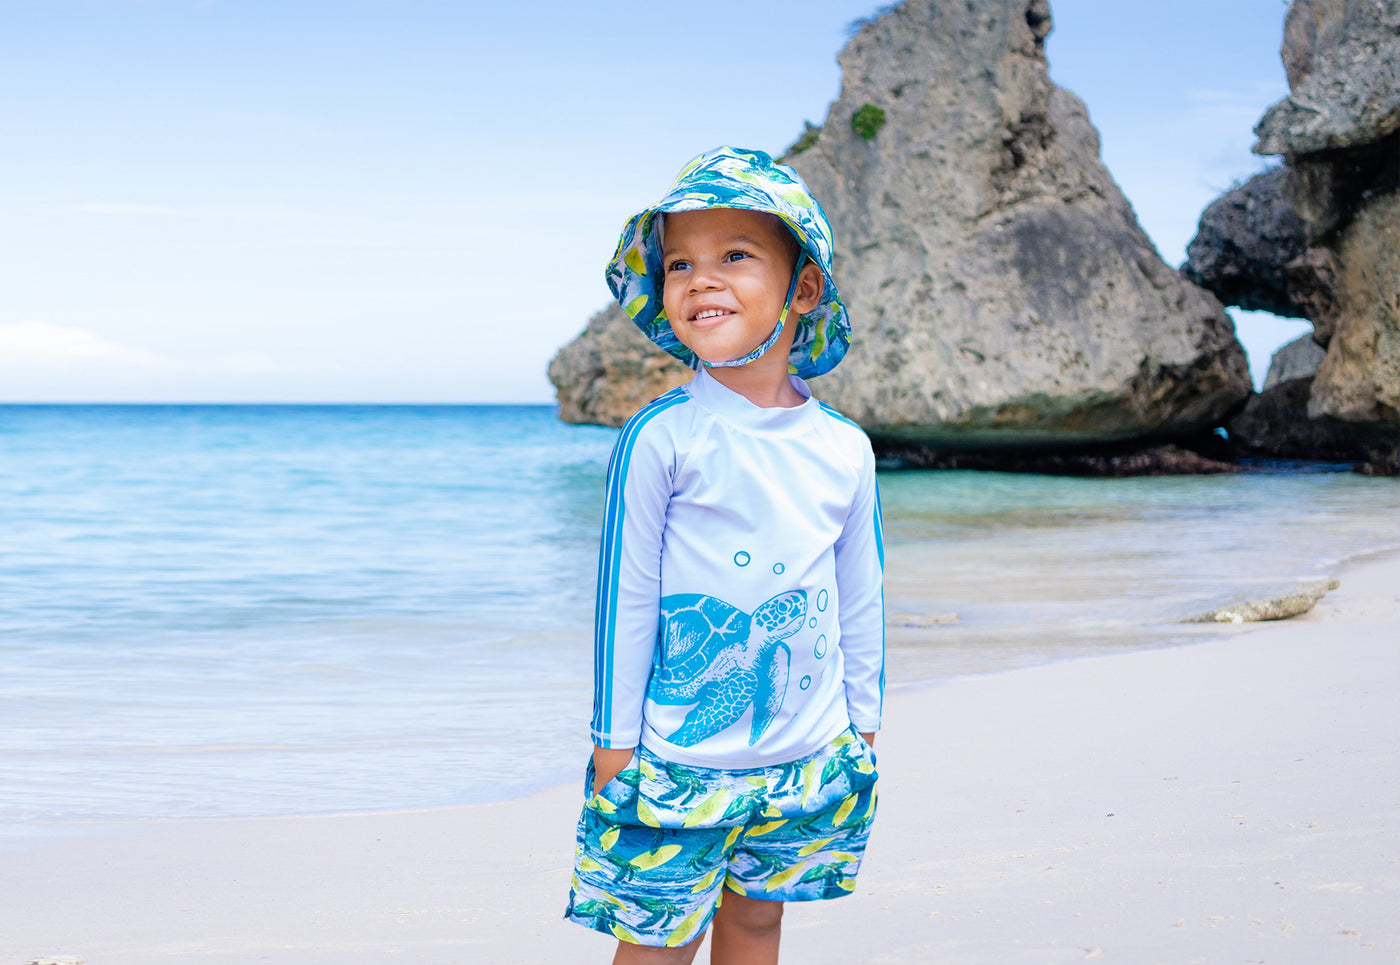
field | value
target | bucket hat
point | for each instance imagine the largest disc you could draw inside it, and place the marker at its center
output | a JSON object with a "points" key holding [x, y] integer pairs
{"points": [[751, 181]]}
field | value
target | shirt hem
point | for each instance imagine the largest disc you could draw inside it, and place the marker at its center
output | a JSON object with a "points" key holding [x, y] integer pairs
{"points": [[680, 755]]}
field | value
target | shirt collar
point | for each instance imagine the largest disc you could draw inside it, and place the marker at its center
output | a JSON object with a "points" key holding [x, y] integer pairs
{"points": [[714, 395]]}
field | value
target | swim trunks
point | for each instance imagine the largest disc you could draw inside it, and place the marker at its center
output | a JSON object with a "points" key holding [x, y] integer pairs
{"points": [[659, 843]]}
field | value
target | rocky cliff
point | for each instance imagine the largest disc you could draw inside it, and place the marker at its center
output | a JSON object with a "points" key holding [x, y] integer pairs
{"points": [[1275, 421], [610, 371], [1249, 249], [1322, 236], [1002, 291]]}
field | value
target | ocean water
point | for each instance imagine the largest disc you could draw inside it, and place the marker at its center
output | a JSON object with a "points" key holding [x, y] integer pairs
{"points": [[212, 611]]}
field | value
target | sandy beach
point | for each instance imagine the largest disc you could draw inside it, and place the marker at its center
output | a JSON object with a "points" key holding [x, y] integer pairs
{"points": [[1236, 800]]}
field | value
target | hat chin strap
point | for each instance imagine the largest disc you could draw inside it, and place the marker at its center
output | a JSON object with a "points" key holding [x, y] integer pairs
{"points": [[771, 340]]}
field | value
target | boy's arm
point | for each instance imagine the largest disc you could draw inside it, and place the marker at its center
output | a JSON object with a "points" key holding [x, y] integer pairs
{"points": [[860, 563], [608, 763], [629, 584]]}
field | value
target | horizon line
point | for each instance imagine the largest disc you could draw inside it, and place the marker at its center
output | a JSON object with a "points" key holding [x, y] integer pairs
{"points": [[285, 403]]}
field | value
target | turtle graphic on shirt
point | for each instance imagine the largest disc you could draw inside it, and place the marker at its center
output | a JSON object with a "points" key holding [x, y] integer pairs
{"points": [[724, 661]]}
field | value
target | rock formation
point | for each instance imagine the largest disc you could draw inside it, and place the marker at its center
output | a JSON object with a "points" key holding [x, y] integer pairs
{"points": [[1339, 134], [610, 371], [1292, 604], [1275, 423], [1342, 58], [1002, 292], [1245, 248]]}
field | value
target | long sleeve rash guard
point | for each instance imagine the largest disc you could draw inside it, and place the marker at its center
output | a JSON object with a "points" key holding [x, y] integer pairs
{"points": [[740, 615]]}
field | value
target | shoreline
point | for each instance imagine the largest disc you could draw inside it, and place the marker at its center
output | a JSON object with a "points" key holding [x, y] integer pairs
{"points": [[1231, 799], [160, 707]]}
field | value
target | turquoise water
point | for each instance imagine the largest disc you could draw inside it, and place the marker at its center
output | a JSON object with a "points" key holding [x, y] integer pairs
{"points": [[248, 610]]}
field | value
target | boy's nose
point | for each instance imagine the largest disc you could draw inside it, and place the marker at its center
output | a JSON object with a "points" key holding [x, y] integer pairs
{"points": [[704, 279]]}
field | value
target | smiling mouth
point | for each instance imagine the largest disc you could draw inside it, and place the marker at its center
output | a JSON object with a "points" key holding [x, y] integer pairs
{"points": [[709, 313]]}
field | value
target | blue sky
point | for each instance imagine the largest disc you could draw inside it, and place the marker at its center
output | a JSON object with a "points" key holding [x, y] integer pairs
{"points": [[413, 201]]}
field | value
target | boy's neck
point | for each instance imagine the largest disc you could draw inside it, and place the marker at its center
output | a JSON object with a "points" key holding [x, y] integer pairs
{"points": [[764, 381]]}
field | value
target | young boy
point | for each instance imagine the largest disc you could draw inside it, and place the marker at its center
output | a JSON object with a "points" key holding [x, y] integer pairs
{"points": [[739, 664]]}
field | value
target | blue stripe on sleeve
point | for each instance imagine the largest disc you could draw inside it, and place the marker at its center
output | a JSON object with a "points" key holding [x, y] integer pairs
{"points": [[879, 524], [879, 528], [880, 549], [832, 412], [610, 556]]}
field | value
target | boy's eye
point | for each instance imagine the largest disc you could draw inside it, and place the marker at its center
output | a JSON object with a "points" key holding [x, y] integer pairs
{"points": [[736, 255], [677, 265]]}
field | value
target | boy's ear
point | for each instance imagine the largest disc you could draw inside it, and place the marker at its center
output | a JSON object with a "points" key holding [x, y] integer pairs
{"points": [[810, 285]]}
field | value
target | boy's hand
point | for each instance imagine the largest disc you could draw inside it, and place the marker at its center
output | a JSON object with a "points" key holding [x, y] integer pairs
{"points": [[608, 762]]}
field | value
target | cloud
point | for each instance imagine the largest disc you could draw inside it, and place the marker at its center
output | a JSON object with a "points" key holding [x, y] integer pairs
{"points": [[253, 363], [31, 344], [33, 348], [1248, 95], [172, 212], [131, 209]]}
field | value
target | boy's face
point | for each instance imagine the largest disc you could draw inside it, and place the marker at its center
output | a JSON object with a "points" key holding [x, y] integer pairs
{"points": [[727, 274]]}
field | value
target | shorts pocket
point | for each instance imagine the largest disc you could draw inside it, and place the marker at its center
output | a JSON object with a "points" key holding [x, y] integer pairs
{"points": [[858, 762], [866, 746], [619, 791]]}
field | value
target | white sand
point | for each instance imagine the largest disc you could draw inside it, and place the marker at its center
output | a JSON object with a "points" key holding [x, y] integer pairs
{"points": [[1231, 801]]}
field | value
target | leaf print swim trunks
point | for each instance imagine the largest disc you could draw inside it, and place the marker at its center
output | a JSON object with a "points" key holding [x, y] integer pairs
{"points": [[659, 844]]}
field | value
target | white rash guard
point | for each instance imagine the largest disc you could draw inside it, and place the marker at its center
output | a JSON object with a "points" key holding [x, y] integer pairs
{"points": [[755, 534]]}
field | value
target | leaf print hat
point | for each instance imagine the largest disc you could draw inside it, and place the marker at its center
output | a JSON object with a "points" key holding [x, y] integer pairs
{"points": [[752, 181]]}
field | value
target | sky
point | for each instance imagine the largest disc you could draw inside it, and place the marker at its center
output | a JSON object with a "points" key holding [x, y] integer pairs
{"points": [[413, 201]]}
